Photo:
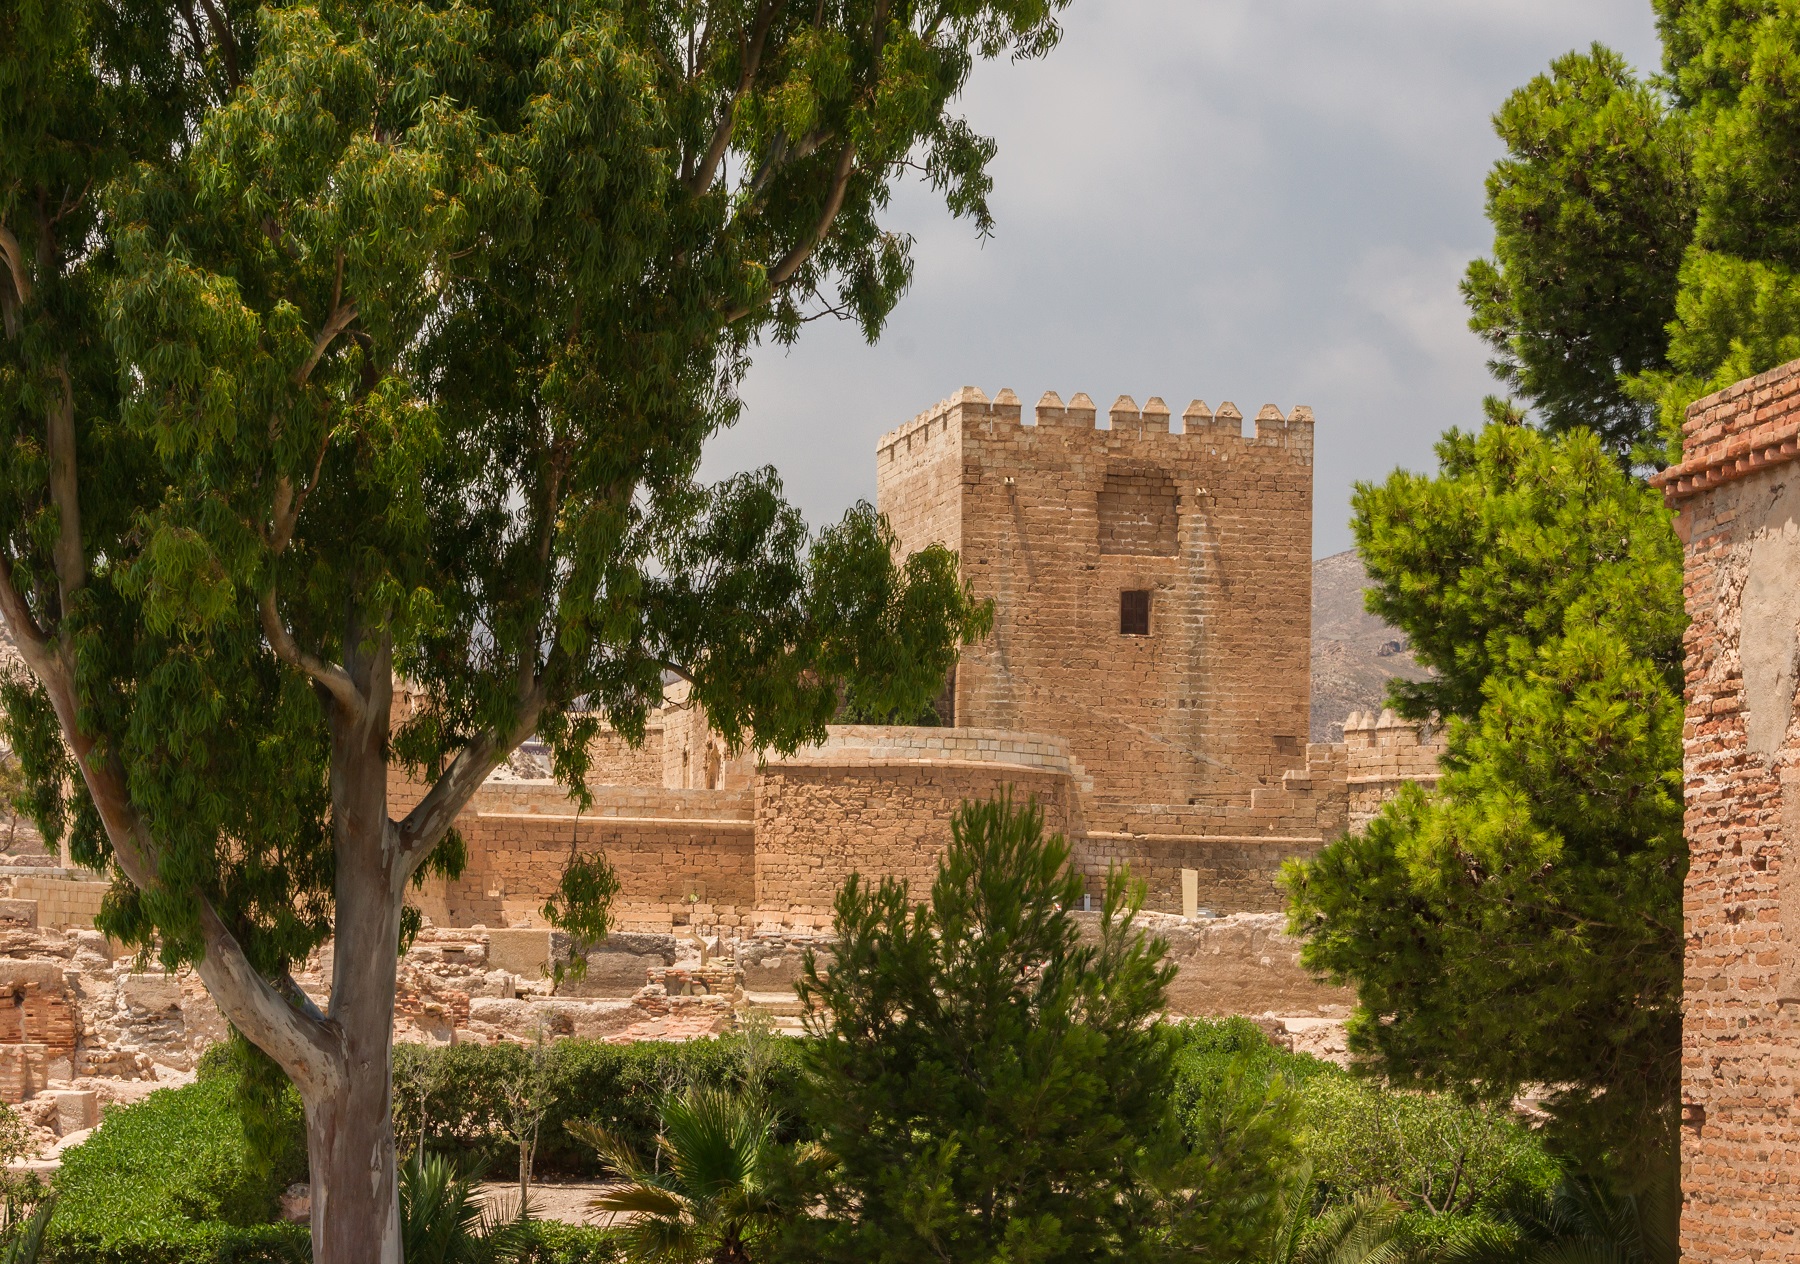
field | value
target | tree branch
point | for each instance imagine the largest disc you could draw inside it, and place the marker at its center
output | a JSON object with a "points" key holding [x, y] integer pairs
{"points": [[15, 264], [339, 320], [702, 178], [66, 556], [226, 41], [792, 261], [36, 648], [334, 678], [288, 1035], [422, 827], [295, 1036]]}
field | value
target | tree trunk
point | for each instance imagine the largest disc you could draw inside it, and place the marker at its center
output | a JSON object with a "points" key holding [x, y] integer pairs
{"points": [[350, 1122], [355, 1197]]}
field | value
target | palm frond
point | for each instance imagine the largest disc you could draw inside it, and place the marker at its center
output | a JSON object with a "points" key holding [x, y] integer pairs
{"points": [[28, 1245]]}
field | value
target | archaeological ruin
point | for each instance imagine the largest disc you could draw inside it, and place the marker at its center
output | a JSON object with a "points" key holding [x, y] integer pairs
{"points": [[1146, 682], [1737, 495]]}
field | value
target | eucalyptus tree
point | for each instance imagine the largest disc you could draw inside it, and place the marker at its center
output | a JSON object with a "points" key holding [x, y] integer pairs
{"points": [[349, 343]]}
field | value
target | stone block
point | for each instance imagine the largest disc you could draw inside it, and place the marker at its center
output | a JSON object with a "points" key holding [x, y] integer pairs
{"points": [[522, 952], [76, 1110], [151, 993], [19, 912]]}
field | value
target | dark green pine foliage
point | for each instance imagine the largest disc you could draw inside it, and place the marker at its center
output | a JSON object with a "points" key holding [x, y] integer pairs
{"points": [[1522, 926], [1647, 230], [987, 1082], [1592, 207]]}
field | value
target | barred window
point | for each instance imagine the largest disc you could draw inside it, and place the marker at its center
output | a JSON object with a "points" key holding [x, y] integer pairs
{"points": [[1134, 612]]}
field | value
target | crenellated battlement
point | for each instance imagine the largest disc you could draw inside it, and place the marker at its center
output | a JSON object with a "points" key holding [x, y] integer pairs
{"points": [[1152, 578], [1224, 428]]}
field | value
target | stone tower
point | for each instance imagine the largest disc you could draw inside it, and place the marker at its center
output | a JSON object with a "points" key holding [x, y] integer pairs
{"points": [[1153, 590]]}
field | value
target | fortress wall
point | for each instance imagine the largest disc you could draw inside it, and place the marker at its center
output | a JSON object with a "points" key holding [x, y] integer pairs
{"points": [[1058, 519], [66, 898], [615, 762], [919, 473], [1738, 494], [681, 856], [1385, 752], [1236, 873], [822, 815]]}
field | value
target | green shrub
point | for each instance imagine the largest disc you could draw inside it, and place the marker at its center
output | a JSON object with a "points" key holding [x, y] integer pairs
{"points": [[453, 1097], [1429, 1150], [1454, 1167], [554, 1243], [191, 1244], [169, 1171]]}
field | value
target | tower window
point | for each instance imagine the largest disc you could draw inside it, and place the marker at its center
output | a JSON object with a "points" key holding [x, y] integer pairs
{"points": [[1134, 612]]}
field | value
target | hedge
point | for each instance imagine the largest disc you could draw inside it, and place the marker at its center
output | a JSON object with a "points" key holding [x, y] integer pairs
{"points": [[462, 1088], [173, 1178]]}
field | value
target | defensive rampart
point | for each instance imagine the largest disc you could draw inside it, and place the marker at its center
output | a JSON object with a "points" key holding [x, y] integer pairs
{"points": [[1152, 589], [1737, 491]]}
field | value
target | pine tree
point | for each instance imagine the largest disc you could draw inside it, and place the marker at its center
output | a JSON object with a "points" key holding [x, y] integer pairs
{"points": [[1521, 926], [987, 1083]]}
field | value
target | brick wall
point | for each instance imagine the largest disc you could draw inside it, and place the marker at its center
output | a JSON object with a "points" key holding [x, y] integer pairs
{"points": [[1055, 520], [1737, 491]]}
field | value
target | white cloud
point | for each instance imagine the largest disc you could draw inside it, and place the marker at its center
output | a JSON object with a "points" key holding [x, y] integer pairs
{"points": [[1245, 199]]}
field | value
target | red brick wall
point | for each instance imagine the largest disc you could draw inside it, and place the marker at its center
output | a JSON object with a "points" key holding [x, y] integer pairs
{"points": [[1738, 495]]}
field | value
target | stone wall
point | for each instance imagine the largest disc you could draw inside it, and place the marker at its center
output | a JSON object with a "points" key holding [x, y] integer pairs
{"points": [[1384, 752], [62, 897], [1737, 491], [682, 856], [879, 801], [1055, 521]]}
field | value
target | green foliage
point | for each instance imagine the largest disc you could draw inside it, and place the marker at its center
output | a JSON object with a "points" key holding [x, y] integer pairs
{"points": [[452, 1099], [896, 631], [173, 1169], [1647, 237], [1321, 1137], [1515, 543], [707, 1193], [986, 1084], [554, 1243], [1431, 1152], [1522, 925], [1592, 207], [445, 1219], [423, 315], [211, 1243], [1237, 1098], [268, 1108]]}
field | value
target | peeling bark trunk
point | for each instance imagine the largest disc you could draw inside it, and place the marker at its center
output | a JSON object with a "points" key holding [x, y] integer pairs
{"points": [[350, 1121]]}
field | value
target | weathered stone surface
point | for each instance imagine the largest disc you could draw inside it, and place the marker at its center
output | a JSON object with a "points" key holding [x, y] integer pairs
{"points": [[521, 952], [1737, 491]]}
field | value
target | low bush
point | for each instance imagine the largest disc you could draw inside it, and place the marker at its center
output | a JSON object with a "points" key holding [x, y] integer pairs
{"points": [[174, 1178], [554, 1243], [191, 1244], [1454, 1168], [453, 1099]]}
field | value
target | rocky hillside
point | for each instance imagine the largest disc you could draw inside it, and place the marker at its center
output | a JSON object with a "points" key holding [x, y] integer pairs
{"points": [[1354, 654]]}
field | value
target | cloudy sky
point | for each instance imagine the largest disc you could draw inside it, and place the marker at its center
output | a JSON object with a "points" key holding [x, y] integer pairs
{"points": [[1254, 200]]}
